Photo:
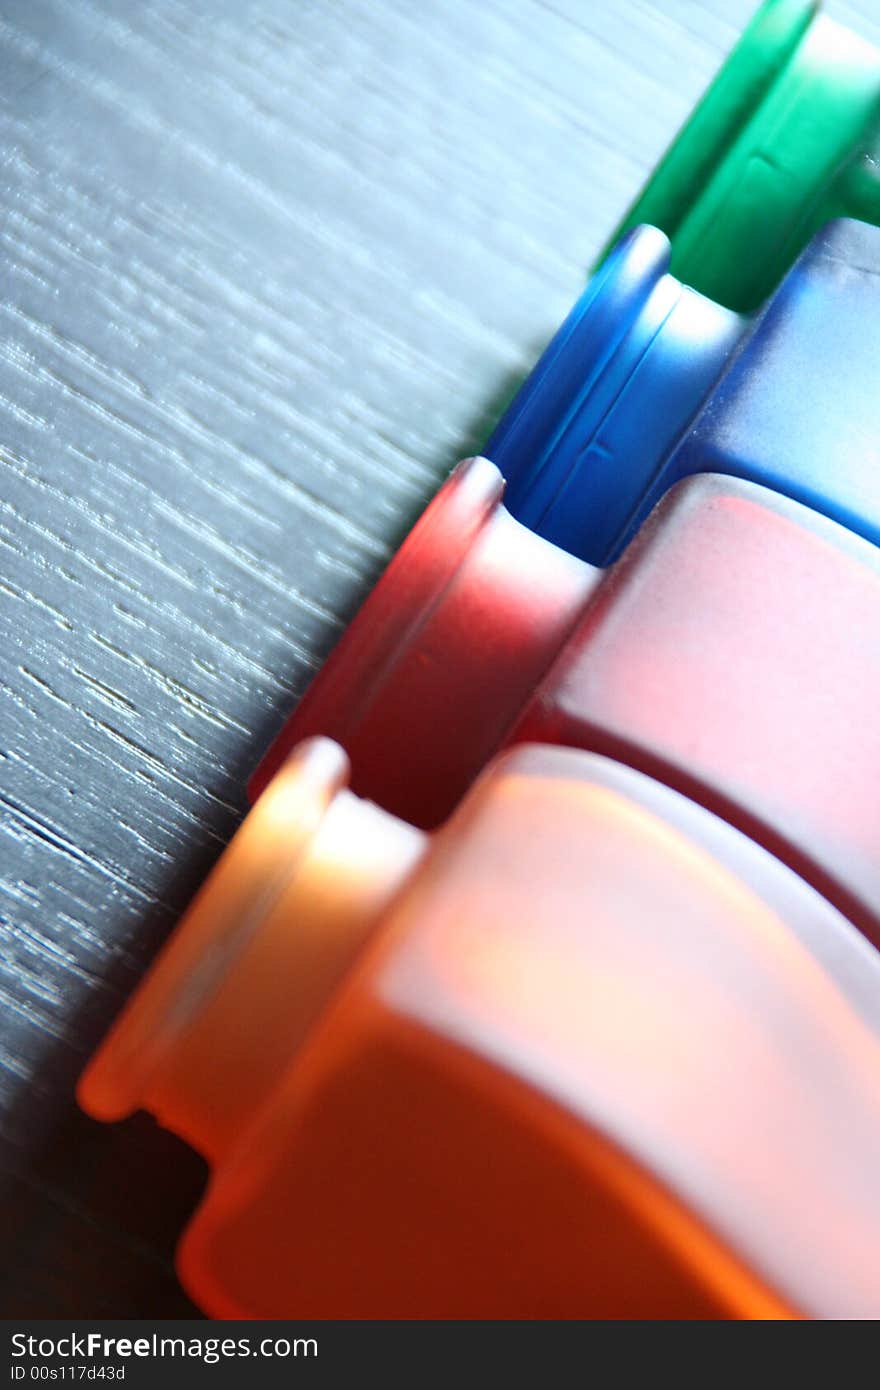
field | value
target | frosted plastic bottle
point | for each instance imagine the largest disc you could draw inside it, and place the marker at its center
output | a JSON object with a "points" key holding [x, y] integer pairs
{"points": [[647, 382], [732, 652], [586, 1052], [786, 138]]}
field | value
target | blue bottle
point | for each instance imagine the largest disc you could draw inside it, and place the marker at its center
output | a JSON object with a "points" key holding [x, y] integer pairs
{"points": [[648, 381]]}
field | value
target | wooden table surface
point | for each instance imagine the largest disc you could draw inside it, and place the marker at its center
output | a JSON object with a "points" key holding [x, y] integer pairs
{"points": [[269, 267]]}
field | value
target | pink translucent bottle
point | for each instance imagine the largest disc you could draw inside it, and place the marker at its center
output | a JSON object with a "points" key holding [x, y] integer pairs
{"points": [[732, 652]]}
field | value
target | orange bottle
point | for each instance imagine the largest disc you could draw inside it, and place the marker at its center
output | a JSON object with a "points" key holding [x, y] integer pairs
{"points": [[584, 1051]]}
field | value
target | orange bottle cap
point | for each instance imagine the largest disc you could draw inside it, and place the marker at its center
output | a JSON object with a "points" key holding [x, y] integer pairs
{"points": [[256, 956]]}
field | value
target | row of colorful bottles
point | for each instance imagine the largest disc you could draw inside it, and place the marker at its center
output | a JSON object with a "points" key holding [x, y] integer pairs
{"points": [[556, 993]]}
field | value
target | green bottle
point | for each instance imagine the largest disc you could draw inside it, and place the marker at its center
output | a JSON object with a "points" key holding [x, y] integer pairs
{"points": [[786, 138]]}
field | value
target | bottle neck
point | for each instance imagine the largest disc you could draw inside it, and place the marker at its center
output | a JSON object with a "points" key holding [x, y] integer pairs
{"points": [[565, 387], [766, 46], [610, 399], [778, 182], [257, 957], [446, 651]]}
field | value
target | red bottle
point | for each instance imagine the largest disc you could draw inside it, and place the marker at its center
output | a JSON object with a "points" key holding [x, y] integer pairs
{"points": [[586, 1052], [732, 652]]}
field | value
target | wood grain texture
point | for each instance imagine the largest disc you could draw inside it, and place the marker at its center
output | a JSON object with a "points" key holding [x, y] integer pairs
{"points": [[267, 269]]}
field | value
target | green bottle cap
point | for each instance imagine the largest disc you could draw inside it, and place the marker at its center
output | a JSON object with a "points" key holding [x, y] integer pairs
{"points": [[781, 142]]}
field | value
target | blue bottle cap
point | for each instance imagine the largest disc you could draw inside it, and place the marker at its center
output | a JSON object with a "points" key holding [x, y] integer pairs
{"points": [[610, 397]]}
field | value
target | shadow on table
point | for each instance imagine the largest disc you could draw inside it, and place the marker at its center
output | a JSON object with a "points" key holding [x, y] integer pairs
{"points": [[91, 1213]]}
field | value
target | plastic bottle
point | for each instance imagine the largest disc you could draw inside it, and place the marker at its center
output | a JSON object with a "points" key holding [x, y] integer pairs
{"points": [[730, 652], [585, 1052], [647, 382], [786, 138]]}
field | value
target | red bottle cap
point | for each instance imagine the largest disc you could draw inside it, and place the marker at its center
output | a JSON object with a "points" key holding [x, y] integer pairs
{"points": [[440, 659]]}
